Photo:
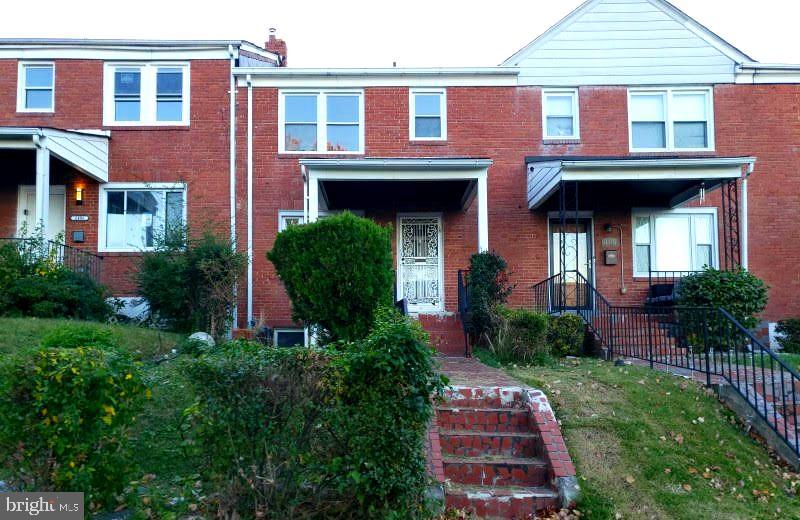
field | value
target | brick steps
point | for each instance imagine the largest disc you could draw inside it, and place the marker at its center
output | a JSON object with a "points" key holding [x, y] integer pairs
{"points": [[474, 444], [484, 419], [446, 333], [499, 471], [500, 502]]}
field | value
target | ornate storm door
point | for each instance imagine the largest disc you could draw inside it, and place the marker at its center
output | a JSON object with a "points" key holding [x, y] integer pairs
{"points": [[419, 257]]}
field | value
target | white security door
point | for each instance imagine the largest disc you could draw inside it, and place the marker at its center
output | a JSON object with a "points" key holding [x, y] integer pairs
{"points": [[419, 257], [26, 211]]}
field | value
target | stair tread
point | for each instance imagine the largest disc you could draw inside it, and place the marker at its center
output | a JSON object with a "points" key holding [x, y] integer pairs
{"points": [[479, 433], [493, 459], [501, 491]]}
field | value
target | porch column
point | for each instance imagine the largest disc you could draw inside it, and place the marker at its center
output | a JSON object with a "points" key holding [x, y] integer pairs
{"points": [[313, 197], [743, 223], [483, 212], [42, 185]]}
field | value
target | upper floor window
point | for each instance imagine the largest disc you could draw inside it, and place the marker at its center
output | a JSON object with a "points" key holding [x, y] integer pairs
{"points": [[560, 114], [671, 119], [321, 122], [146, 94], [680, 240], [427, 114], [36, 87]]}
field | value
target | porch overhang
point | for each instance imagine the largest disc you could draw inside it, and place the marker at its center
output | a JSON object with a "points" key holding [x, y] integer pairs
{"points": [[87, 151], [669, 181]]}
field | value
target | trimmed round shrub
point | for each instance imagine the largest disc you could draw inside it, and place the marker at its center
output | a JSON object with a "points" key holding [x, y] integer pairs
{"points": [[789, 335], [566, 335], [488, 287], [64, 419], [520, 336], [72, 335], [337, 272], [740, 293]]}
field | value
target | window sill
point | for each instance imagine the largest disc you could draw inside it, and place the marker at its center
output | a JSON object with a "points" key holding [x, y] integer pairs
{"points": [[426, 142], [34, 113], [322, 155], [547, 141], [123, 128], [102, 253]]}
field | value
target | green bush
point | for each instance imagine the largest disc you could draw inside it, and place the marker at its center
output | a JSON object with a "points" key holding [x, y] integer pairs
{"points": [[566, 334], [740, 293], [326, 433], [189, 283], [789, 338], [64, 419], [520, 336], [74, 335], [488, 287], [337, 272]]}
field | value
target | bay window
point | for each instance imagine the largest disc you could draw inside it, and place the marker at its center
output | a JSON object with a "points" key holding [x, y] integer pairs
{"points": [[321, 122], [135, 217], [684, 240], [670, 119]]}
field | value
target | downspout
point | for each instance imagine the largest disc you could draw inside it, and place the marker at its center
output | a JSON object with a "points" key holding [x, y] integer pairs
{"points": [[232, 172], [249, 201], [304, 173]]}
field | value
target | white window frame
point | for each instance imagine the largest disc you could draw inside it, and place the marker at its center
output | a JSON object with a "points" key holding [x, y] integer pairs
{"points": [[576, 119], [412, 113], [652, 214], [278, 330], [22, 87], [322, 120], [668, 93], [131, 186], [283, 215], [149, 74]]}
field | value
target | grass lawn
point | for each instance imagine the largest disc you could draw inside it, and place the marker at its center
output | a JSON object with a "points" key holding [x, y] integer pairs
{"points": [[651, 445]]}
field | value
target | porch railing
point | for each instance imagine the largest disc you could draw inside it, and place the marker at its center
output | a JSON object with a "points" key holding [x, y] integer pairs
{"points": [[70, 257], [703, 340], [463, 309]]}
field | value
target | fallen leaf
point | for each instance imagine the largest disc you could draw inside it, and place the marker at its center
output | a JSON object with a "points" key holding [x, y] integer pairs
{"points": [[667, 471], [629, 479], [687, 488], [692, 471]]}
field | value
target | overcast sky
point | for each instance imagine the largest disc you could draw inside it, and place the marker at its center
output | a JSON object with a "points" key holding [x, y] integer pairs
{"points": [[349, 33]]}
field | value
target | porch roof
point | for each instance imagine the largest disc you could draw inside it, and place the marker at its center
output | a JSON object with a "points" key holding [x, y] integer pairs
{"points": [[675, 179], [85, 150]]}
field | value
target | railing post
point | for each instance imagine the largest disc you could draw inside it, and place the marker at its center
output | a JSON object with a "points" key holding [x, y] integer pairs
{"points": [[706, 348], [649, 336]]}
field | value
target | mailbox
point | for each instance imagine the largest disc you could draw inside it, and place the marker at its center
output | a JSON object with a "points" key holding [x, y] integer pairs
{"points": [[611, 257]]}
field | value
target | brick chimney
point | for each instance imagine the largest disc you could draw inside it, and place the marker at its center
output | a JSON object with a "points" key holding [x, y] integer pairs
{"points": [[277, 46]]}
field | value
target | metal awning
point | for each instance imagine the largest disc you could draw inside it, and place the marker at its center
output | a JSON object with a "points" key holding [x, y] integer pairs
{"points": [[675, 179], [87, 151]]}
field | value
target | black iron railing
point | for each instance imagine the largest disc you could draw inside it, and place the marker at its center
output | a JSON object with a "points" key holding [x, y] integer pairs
{"points": [[78, 260], [463, 309]]}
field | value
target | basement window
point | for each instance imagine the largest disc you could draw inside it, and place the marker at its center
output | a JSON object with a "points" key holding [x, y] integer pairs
{"points": [[289, 337]]}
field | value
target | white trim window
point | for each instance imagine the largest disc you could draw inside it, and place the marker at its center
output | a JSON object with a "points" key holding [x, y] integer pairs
{"points": [[288, 337], [560, 119], [427, 111], [678, 240], [671, 119], [134, 216], [36, 86], [329, 121], [291, 217], [146, 94]]}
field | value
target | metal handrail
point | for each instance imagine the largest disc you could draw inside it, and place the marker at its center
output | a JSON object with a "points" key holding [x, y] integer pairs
{"points": [[463, 308], [70, 257]]}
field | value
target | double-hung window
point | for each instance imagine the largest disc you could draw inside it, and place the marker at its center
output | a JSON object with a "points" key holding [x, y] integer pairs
{"points": [[560, 114], [36, 87], [146, 94], [135, 217], [427, 114], [671, 120], [684, 240], [321, 122]]}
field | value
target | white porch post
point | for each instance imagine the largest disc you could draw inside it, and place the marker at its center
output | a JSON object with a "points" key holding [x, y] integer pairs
{"points": [[42, 185], [743, 225], [483, 213], [313, 197]]}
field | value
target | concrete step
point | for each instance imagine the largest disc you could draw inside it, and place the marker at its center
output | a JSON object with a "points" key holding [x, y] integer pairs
{"points": [[477, 444], [484, 397], [496, 471], [501, 502], [483, 419]]}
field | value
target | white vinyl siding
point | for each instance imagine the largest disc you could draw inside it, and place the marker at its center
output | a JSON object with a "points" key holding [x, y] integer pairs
{"points": [[36, 86], [330, 121], [427, 109], [146, 94], [560, 119], [678, 240], [671, 119]]}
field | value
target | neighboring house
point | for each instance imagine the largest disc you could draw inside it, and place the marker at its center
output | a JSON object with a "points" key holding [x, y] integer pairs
{"points": [[628, 132]]}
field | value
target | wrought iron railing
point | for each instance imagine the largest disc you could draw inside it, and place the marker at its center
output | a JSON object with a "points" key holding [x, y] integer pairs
{"points": [[463, 309], [704, 340], [70, 257]]}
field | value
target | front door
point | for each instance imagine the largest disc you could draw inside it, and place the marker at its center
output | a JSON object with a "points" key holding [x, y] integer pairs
{"points": [[419, 258], [26, 211], [578, 258]]}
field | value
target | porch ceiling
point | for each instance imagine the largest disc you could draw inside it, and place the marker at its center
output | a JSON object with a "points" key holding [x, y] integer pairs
{"points": [[443, 195], [613, 183]]}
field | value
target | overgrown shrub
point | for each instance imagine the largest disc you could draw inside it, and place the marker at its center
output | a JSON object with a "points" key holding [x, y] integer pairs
{"points": [[789, 335], [325, 433], [189, 283], [488, 287], [520, 336], [72, 335], [337, 272], [566, 334], [34, 283], [740, 293], [64, 419]]}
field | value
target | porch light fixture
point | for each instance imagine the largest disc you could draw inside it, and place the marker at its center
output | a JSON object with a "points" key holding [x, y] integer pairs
{"points": [[79, 195]]}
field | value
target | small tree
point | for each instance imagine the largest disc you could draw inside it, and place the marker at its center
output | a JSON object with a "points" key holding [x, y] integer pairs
{"points": [[337, 272], [488, 287]]}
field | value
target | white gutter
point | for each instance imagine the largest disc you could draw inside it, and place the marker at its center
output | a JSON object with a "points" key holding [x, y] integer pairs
{"points": [[398, 164], [386, 71], [233, 174], [249, 202], [660, 163]]}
